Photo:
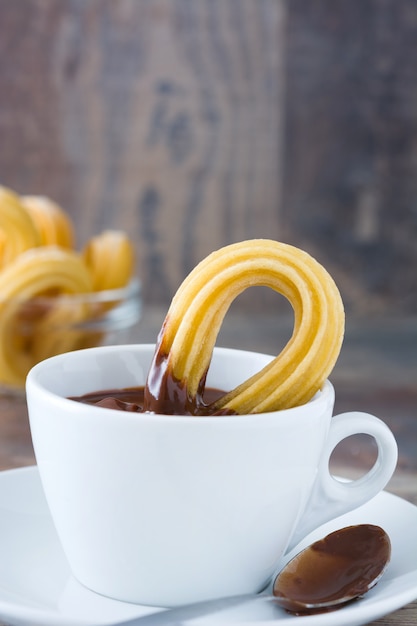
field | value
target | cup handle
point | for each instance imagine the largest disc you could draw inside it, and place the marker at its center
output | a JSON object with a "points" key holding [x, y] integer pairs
{"points": [[331, 497]]}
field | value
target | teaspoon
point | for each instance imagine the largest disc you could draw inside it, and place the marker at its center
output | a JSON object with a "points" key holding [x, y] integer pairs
{"points": [[323, 577], [333, 571]]}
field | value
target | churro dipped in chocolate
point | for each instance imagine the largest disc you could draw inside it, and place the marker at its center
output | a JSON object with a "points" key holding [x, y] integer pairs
{"points": [[183, 353]]}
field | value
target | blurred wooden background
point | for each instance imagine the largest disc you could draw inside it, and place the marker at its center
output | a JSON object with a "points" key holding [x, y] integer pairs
{"points": [[196, 123]]}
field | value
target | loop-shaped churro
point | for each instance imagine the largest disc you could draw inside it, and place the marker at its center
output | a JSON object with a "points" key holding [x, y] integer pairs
{"points": [[190, 329], [53, 224], [48, 271], [110, 258], [17, 230]]}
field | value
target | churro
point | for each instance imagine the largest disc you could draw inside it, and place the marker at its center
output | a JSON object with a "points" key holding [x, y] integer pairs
{"points": [[110, 259], [36, 272], [17, 230], [40, 277], [53, 224], [188, 335]]}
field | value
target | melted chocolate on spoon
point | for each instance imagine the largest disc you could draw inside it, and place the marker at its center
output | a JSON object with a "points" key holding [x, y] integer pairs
{"points": [[333, 571]]}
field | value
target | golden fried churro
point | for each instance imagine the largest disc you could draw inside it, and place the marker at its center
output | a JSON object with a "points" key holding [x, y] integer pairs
{"points": [[53, 224], [48, 271], [110, 259], [190, 329], [17, 230], [38, 267]]}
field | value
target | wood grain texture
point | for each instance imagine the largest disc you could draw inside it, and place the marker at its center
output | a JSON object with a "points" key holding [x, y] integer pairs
{"points": [[351, 128], [196, 123]]}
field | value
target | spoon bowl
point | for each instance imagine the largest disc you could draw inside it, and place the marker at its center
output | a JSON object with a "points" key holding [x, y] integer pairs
{"points": [[324, 577], [334, 570]]}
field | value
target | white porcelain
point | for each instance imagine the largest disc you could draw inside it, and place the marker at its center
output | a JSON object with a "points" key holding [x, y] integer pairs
{"points": [[165, 510], [38, 589]]}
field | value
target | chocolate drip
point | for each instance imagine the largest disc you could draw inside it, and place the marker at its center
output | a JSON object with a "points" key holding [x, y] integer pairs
{"points": [[164, 394], [133, 400]]}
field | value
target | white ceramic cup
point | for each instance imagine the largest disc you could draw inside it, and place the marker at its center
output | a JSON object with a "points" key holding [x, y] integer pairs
{"points": [[165, 510]]}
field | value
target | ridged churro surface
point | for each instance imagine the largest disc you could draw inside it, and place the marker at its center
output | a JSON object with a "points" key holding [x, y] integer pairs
{"points": [[196, 313]]}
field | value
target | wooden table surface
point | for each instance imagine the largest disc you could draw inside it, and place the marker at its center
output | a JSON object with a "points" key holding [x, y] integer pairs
{"points": [[376, 372]]}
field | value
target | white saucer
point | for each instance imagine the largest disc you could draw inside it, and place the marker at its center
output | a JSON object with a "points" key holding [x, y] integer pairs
{"points": [[37, 588]]}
